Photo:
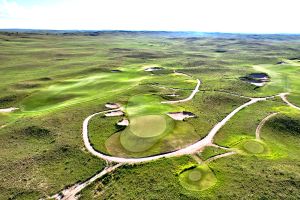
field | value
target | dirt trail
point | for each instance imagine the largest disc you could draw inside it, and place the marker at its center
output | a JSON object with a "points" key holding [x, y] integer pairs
{"points": [[220, 147], [188, 98], [182, 74], [220, 156], [197, 158], [70, 193], [283, 97], [261, 124]]}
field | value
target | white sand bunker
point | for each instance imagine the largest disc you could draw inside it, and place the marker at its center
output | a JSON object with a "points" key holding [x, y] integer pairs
{"points": [[112, 105], [151, 69], [172, 95], [114, 114], [181, 115], [8, 110], [123, 122]]}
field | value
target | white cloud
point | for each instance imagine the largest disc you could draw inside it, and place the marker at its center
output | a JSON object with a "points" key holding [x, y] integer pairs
{"points": [[198, 15]]}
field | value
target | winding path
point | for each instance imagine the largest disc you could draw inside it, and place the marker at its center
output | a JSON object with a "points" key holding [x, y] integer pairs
{"points": [[261, 124], [283, 97], [71, 192], [220, 156], [188, 98]]}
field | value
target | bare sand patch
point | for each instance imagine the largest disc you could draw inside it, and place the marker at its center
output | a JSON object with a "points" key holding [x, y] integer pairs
{"points": [[123, 122], [172, 95], [151, 69], [181, 115], [112, 105], [8, 110]]}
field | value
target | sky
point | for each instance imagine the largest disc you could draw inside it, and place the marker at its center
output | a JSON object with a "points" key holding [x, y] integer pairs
{"points": [[236, 16]]}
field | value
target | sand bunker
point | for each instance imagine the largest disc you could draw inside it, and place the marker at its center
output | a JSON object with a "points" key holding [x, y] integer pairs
{"points": [[172, 95], [114, 113], [123, 122], [112, 105], [151, 69], [8, 110], [257, 79], [180, 115]]}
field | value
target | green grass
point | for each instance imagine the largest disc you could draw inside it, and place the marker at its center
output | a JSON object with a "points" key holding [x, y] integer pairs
{"points": [[58, 80], [148, 125], [209, 152], [146, 105], [198, 178], [253, 147]]}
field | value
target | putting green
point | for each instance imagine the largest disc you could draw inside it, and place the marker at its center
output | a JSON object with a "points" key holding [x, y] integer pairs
{"points": [[134, 143], [148, 125], [253, 147], [198, 178]]}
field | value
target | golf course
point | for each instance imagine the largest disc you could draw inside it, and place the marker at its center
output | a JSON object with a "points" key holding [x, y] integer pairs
{"points": [[149, 115]]}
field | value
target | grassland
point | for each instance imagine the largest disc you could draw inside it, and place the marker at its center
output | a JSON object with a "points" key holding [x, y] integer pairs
{"points": [[58, 80]]}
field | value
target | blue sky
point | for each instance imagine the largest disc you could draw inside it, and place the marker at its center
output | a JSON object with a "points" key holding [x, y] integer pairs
{"points": [[244, 16]]}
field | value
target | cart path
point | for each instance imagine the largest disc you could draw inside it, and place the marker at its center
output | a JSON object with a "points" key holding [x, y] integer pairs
{"points": [[283, 97], [261, 124], [71, 192], [188, 98], [220, 156]]}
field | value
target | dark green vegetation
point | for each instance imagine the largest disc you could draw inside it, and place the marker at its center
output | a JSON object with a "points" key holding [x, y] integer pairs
{"points": [[237, 177], [58, 80]]}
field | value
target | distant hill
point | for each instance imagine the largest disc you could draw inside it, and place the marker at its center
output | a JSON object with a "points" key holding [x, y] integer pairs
{"points": [[172, 34]]}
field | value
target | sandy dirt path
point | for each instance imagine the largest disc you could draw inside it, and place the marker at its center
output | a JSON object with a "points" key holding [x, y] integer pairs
{"points": [[261, 124], [188, 98], [181, 74], [283, 97], [70, 193], [220, 156]]}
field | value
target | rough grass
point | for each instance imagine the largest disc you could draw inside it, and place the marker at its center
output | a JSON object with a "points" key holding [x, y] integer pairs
{"points": [[209, 152]]}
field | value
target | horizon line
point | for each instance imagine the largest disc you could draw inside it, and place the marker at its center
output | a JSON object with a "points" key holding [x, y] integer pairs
{"points": [[172, 31]]}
